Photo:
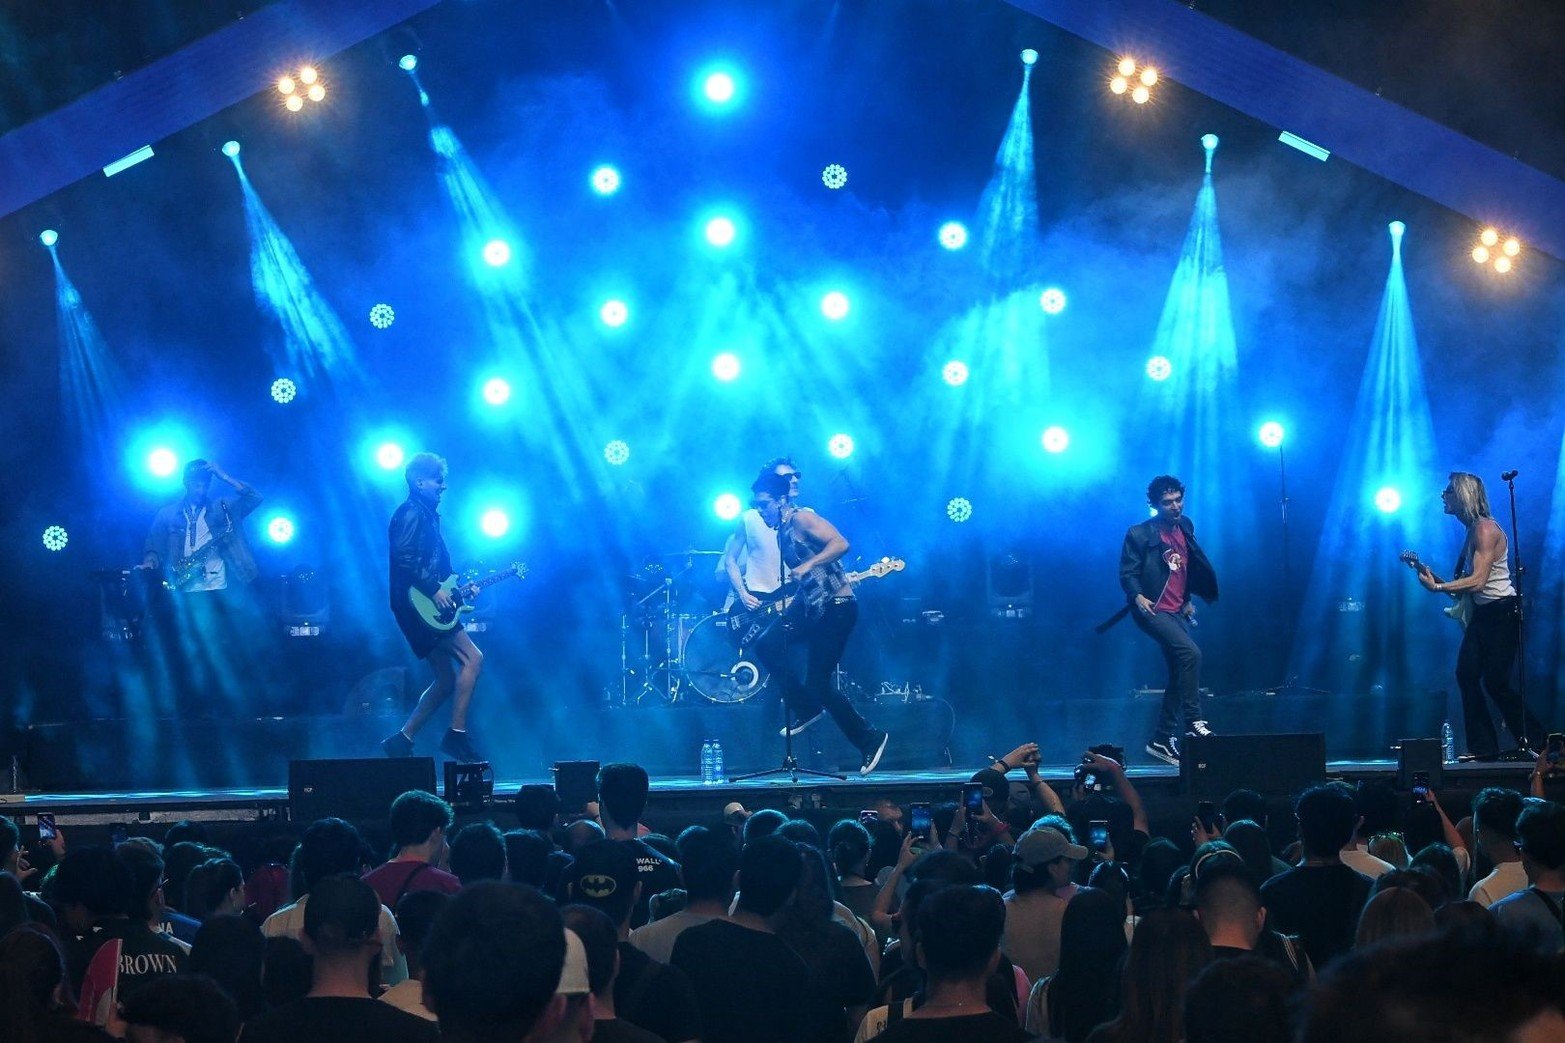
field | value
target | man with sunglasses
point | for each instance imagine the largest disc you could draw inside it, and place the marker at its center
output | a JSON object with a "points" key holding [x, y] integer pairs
{"points": [[1160, 567]]}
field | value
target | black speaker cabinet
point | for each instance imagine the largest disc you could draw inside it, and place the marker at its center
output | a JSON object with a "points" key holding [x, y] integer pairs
{"points": [[1420, 755], [1273, 765], [359, 790]]}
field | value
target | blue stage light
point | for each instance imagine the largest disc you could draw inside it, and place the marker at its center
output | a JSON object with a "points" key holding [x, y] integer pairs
{"points": [[605, 180], [840, 446], [1159, 368], [1052, 301], [390, 456], [1388, 500], [719, 87], [55, 538], [280, 529], [284, 391], [1055, 439], [959, 508], [720, 231], [954, 373], [162, 462], [614, 313], [835, 305], [1029, 57], [495, 523], [617, 452], [725, 367], [408, 62], [835, 176], [497, 391], [382, 316], [231, 149], [49, 237], [1271, 434], [953, 235], [497, 253], [727, 506]]}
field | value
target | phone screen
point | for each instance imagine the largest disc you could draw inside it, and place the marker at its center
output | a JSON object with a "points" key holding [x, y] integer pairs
{"points": [[921, 822], [1206, 811], [46, 830], [973, 797], [1420, 787], [1098, 834], [1555, 747]]}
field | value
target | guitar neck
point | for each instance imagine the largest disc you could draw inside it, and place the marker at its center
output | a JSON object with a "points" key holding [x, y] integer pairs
{"points": [[489, 581]]}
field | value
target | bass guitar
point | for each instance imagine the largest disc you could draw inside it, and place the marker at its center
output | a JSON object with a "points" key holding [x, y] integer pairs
{"points": [[461, 594], [748, 625], [1461, 607]]}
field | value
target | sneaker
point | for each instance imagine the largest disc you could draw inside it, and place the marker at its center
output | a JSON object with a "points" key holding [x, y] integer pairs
{"points": [[1199, 728], [799, 726], [874, 751], [398, 745], [459, 748], [1165, 750]]}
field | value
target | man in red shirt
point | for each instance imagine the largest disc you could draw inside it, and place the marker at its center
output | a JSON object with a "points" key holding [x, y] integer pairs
{"points": [[419, 822], [1160, 567]]}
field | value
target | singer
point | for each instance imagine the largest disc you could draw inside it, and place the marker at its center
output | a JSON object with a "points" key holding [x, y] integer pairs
{"points": [[1493, 634], [1160, 567]]}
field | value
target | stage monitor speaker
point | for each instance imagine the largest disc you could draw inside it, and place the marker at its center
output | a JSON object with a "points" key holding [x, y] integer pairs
{"points": [[576, 782], [1420, 755], [1273, 765], [359, 790]]}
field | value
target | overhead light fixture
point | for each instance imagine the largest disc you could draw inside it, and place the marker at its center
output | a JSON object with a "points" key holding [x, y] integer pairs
{"points": [[1309, 148]]}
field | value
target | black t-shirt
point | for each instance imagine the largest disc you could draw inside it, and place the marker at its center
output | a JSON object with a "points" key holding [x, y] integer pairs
{"points": [[618, 1030], [840, 977], [339, 1019], [656, 873], [987, 1027], [144, 953], [655, 996], [751, 987], [1320, 904]]}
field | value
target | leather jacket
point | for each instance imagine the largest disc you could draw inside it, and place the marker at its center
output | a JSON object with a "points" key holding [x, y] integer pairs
{"points": [[1143, 571], [418, 552]]}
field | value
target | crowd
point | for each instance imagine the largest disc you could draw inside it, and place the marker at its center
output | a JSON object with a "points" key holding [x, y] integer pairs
{"points": [[1021, 915]]}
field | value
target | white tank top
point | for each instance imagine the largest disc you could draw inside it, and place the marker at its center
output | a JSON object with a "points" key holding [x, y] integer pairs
{"points": [[762, 555], [1498, 583]]}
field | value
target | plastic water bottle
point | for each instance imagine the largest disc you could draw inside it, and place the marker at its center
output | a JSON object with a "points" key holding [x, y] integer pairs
{"points": [[1447, 743], [717, 761], [708, 762]]}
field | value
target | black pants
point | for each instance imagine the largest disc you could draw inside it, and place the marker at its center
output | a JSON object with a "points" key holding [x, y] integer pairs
{"points": [[1484, 664], [1182, 693], [822, 641]]}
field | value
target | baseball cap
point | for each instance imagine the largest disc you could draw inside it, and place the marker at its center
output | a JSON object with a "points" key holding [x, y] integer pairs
{"points": [[996, 788], [573, 973], [735, 813], [1044, 844]]}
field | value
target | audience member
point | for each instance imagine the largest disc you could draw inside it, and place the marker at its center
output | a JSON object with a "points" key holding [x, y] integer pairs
{"points": [[13, 903], [1539, 910], [762, 823], [582, 832], [1229, 908], [1320, 899], [652, 995], [477, 853], [416, 914], [36, 1004], [180, 1008], [1440, 861], [750, 986], [1084, 992], [600, 942], [578, 1015], [1244, 804], [232, 952], [1247, 999], [106, 898], [1423, 883], [709, 860], [622, 797], [531, 858], [493, 963], [848, 846], [800, 831], [841, 978], [1495, 811], [1159, 862], [1169, 949], [13, 860], [341, 932], [285, 972], [179, 858], [216, 887], [1041, 863], [537, 808], [1394, 912], [1390, 849], [959, 929], [331, 847], [1248, 837], [1378, 811], [419, 824]]}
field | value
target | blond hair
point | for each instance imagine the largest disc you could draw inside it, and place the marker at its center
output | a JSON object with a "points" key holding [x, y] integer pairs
{"points": [[424, 465], [1471, 499]]}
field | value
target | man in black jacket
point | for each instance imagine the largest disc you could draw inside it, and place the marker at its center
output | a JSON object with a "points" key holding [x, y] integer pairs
{"points": [[420, 561], [1160, 567]]}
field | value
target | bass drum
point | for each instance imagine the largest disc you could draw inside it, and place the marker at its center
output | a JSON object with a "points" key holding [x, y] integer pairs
{"points": [[717, 670]]}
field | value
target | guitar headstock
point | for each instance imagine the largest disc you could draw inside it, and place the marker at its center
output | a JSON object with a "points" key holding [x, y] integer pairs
{"points": [[519, 568], [1409, 558], [885, 566]]}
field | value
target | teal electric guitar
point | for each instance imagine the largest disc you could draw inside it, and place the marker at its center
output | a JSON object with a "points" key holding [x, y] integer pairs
{"points": [[461, 594]]}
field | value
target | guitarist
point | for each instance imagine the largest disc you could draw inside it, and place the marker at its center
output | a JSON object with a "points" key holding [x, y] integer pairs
{"points": [[199, 538], [1490, 643], [821, 613], [419, 559]]}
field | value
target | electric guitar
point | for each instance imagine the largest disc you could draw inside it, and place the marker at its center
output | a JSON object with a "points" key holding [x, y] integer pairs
{"points": [[748, 624], [192, 566], [461, 594], [1461, 608]]}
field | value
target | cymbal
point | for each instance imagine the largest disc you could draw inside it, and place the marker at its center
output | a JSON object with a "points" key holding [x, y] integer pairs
{"points": [[692, 554]]}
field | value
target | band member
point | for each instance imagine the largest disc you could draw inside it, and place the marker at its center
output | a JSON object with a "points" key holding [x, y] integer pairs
{"points": [[199, 540], [1160, 567], [756, 542], [1489, 646], [420, 560], [808, 551]]}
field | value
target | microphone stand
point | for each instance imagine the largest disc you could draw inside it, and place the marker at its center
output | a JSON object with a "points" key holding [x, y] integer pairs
{"points": [[1517, 571]]}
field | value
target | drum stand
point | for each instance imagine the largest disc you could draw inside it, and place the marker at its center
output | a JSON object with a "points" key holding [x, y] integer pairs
{"points": [[670, 667]]}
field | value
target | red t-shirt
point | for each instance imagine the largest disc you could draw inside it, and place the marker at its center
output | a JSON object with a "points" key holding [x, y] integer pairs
{"points": [[1176, 555], [395, 879]]}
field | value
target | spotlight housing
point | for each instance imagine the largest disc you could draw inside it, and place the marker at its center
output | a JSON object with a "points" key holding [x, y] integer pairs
{"points": [[616, 452], [834, 176], [230, 149], [280, 529], [1029, 57], [284, 391], [497, 391], [389, 456], [1055, 439], [408, 62], [727, 506], [1388, 500], [1271, 434], [605, 180], [55, 538], [954, 373], [1159, 368], [497, 253], [959, 509], [720, 231], [1052, 301], [49, 237], [382, 316], [614, 313], [840, 446], [953, 235], [1140, 95], [725, 366], [835, 305]]}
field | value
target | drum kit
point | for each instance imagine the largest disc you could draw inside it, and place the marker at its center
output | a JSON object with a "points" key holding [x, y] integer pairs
{"points": [[667, 651]]}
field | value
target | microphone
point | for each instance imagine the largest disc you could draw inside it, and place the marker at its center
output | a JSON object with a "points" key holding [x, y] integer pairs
{"points": [[1507, 476]]}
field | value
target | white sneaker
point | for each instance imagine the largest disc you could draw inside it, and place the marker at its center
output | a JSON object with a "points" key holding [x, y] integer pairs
{"points": [[1199, 728], [801, 725]]}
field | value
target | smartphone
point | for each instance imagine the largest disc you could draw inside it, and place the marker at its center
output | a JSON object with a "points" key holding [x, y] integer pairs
{"points": [[1554, 748], [973, 797], [1420, 787], [1206, 811], [920, 822], [868, 815], [46, 830], [1098, 834]]}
